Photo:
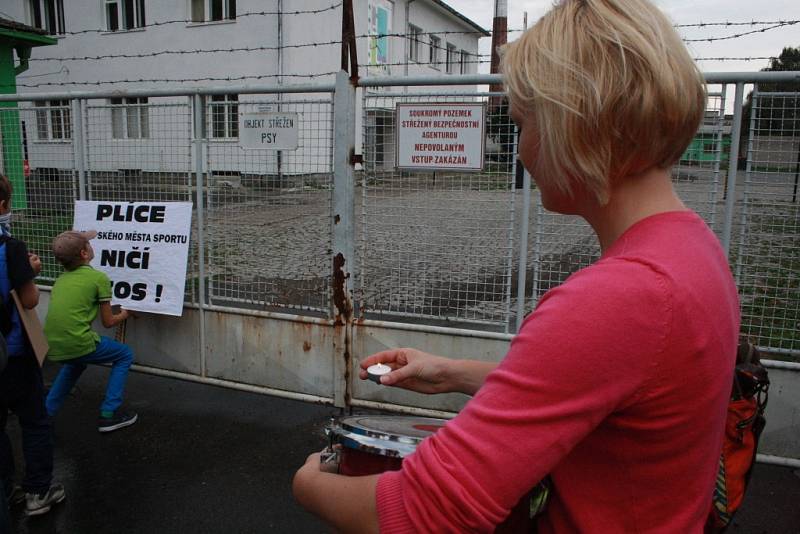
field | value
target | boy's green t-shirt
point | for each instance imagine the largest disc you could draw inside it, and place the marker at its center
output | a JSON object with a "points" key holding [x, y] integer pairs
{"points": [[74, 302]]}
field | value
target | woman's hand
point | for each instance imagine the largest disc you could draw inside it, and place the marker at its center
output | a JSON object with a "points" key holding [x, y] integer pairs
{"points": [[346, 503], [311, 467], [419, 371], [304, 480], [412, 369], [35, 261]]}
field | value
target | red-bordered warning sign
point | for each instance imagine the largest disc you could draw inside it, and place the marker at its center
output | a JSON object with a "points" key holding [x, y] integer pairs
{"points": [[445, 136]]}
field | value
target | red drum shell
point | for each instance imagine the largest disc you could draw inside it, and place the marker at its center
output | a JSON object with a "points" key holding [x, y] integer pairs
{"points": [[355, 460], [372, 444], [355, 463]]}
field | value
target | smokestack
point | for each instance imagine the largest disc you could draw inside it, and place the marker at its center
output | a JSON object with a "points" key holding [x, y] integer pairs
{"points": [[499, 37]]}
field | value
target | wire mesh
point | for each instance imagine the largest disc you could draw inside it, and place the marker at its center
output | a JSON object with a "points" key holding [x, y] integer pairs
{"points": [[560, 245], [436, 246], [696, 177], [767, 256], [268, 222], [37, 157], [139, 150]]}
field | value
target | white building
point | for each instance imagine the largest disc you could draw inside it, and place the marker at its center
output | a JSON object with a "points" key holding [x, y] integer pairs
{"points": [[149, 44]]}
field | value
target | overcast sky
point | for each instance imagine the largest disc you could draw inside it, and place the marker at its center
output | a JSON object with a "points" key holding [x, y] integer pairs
{"points": [[768, 43]]}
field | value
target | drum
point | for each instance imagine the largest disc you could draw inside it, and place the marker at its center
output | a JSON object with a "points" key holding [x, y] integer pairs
{"points": [[372, 444]]}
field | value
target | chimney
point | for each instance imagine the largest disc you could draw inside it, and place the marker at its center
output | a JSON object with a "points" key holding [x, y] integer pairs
{"points": [[499, 38]]}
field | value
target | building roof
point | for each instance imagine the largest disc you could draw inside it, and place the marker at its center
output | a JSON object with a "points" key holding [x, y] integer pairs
{"points": [[18, 26], [462, 18], [22, 34]]}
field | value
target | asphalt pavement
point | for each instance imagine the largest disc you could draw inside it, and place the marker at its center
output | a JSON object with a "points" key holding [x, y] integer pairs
{"points": [[204, 459]]}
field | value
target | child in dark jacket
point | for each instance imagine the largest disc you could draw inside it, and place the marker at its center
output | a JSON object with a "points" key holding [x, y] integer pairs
{"points": [[21, 386]]}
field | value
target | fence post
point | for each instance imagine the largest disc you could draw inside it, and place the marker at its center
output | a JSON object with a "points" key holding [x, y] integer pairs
{"points": [[343, 223], [523, 247], [719, 148], [748, 168], [730, 199], [198, 114], [79, 135]]}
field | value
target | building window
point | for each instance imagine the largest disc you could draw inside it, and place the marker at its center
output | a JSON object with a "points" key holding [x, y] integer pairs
{"points": [[413, 42], [211, 10], [433, 57], [225, 116], [450, 60], [53, 120], [124, 14], [464, 62], [47, 15], [130, 118]]}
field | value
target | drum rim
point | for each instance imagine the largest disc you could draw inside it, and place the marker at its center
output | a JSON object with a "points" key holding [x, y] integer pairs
{"points": [[408, 440], [352, 442]]}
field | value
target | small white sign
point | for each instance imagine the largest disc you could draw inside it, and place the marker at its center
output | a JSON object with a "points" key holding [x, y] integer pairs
{"points": [[143, 248], [269, 130], [440, 136]]}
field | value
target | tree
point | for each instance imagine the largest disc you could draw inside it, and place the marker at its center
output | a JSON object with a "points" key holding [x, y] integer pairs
{"points": [[777, 115]]}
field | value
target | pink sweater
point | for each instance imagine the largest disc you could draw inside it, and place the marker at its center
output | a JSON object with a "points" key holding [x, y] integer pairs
{"points": [[616, 386]]}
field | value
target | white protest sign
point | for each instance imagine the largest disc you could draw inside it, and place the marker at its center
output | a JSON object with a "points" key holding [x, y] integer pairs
{"points": [[270, 130], [440, 136], [143, 248]]}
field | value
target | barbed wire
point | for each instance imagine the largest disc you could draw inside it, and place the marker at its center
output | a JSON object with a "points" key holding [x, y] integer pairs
{"points": [[772, 23], [238, 16], [239, 49], [436, 65], [747, 58], [737, 35], [178, 80], [62, 70], [411, 36], [728, 23], [185, 52]]}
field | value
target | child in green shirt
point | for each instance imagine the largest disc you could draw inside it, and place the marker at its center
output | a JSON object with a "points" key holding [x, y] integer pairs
{"points": [[76, 298]]}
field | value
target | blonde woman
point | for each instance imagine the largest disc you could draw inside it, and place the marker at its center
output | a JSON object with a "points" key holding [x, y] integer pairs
{"points": [[617, 384]]}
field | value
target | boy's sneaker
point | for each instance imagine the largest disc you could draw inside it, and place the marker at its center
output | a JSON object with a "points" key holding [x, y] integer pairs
{"points": [[119, 420], [40, 503]]}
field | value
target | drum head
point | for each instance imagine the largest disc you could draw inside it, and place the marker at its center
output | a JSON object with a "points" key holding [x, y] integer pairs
{"points": [[387, 435]]}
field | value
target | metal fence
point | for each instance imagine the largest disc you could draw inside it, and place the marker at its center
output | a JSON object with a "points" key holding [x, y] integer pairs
{"points": [[435, 246], [471, 250], [766, 254]]}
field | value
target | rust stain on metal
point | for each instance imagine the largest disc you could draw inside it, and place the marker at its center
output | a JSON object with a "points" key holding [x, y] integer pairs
{"points": [[344, 310], [343, 305], [306, 346]]}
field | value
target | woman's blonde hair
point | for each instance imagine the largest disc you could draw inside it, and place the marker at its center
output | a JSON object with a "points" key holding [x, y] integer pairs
{"points": [[611, 88]]}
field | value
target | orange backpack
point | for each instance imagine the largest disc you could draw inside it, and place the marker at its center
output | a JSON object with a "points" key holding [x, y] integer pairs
{"points": [[743, 426]]}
